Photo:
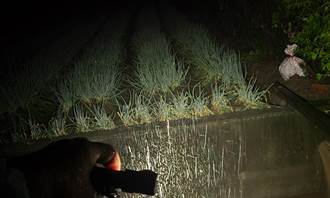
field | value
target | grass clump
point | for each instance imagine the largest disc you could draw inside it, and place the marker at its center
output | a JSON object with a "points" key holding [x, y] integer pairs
{"points": [[96, 75], [142, 110], [136, 111], [95, 79], [157, 69], [231, 67], [101, 118], [81, 119], [66, 96], [213, 64], [58, 125], [163, 110], [126, 113], [90, 83], [94, 117], [181, 105], [220, 102], [250, 96], [199, 103], [37, 130]]}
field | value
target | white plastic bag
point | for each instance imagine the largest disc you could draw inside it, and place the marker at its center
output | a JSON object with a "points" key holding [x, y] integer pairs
{"points": [[291, 64]]}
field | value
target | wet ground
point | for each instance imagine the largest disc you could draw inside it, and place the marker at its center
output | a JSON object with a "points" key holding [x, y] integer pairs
{"points": [[262, 153]]}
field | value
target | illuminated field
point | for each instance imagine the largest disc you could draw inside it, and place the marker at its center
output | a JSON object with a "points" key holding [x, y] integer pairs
{"points": [[163, 70]]}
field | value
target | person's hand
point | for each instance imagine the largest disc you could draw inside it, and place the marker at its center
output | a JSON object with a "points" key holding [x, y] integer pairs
{"points": [[62, 169]]}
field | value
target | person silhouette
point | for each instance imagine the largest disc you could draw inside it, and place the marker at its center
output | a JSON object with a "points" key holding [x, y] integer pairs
{"points": [[61, 169]]}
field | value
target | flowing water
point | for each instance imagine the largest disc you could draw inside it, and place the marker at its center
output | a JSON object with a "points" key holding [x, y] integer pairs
{"points": [[259, 154], [264, 153]]}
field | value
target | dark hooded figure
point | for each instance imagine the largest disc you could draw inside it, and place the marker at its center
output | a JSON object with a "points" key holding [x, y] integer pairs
{"points": [[61, 169]]}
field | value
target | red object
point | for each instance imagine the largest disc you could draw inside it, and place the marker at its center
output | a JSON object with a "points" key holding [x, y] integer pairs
{"points": [[320, 89], [115, 163]]}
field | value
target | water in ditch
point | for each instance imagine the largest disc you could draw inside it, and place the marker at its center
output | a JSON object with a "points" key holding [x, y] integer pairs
{"points": [[264, 155]]}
